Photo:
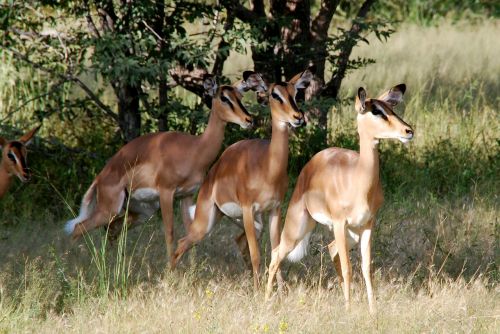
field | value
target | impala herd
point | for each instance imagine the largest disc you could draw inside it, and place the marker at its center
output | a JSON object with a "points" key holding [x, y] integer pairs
{"points": [[338, 188]]}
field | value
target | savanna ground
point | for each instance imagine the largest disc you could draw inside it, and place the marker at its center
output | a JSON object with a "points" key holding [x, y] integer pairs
{"points": [[436, 245]]}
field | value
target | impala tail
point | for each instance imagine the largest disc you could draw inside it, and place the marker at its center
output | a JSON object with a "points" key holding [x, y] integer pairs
{"points": [[300, 249], [86, 209]]}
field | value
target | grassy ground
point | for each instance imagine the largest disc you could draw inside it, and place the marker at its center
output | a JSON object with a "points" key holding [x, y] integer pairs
{"points": [[436, 246]]}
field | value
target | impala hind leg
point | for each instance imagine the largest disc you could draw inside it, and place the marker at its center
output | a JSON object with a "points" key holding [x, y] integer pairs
{"points": [[293, 242], [205, 217], [274, 235], [107, 208], [115, 227], [187, 211]]}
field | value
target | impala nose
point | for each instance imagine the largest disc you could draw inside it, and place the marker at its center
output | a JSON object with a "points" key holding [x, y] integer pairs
{"points": [[409, 132], [249, 121], [26, 176], [299, 119]]}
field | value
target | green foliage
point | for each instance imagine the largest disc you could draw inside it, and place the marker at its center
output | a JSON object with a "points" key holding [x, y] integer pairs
{"points": [[337, 44]]}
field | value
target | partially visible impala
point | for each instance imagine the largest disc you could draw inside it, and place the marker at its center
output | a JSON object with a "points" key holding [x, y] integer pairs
{"points": [[341, 189], [14, 160], [250, 178], [151, 170]]}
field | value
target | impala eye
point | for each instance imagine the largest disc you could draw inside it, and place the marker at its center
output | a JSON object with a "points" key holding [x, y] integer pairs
{"points": [[276, 97], [11, 156], [224, 99]]}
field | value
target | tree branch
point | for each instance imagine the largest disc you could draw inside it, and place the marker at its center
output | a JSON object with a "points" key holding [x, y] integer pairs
{"points": [[321, 23], [223, 47], [108, 16], [52, 89], [192, 80], [68, 77], [333, 86], [90, 21], [244, 14]]}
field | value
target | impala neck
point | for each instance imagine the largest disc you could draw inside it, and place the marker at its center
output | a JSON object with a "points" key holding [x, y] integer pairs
{"points": [[211, 139], [277, 156], [5, 180], [367, 169]]}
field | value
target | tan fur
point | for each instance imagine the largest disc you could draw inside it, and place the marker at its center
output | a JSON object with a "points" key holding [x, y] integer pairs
{"points": [[342, 189], [173, 164], [251, 176]]}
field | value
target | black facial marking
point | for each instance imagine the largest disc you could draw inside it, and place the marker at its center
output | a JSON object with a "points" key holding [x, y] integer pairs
{"points": [[242, 107], [276, 97], [226, 101], [23, 163], [377, 112], [11, 156], [292, 103]]}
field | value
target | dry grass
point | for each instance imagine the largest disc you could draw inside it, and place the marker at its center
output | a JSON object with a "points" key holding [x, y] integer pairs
{"points": [[177, 304], [436, 244]]}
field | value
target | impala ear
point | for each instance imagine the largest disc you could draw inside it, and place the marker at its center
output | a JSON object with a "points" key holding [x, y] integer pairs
{"points": [[361, 100], [210, 86], [251, 80], [303, 79], [26, 138], [394, 95], [3, 142]]}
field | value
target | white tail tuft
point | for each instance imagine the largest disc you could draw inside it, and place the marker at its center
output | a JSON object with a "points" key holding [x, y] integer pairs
{"points": [[300, 250], [87, 207], [69, 227]]}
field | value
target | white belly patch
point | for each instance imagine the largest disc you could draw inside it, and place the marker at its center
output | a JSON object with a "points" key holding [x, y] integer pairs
{"points": [[144, 201], [145, 195], [360, 219], [231, 209], [323, 219]]}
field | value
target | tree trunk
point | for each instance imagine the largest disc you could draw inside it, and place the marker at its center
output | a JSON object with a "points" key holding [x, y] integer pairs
{"points": [[159, 27], [295, 35], [162, 105], [129, 116]]}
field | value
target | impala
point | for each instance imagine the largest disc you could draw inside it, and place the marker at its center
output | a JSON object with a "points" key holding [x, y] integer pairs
{"points": [[250, 178], [341, 189], [14, 160], [148, 172]]}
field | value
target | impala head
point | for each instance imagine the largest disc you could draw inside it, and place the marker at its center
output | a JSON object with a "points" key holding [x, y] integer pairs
{"points": [[376, 118], [226, 100], [282, 99], [14, 155]]}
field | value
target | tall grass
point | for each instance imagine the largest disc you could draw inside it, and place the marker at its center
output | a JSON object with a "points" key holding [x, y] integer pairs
{"points": [[435, 246]]}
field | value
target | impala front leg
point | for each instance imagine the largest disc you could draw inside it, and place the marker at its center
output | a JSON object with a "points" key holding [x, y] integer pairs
{"points": [[340, 230], [252, 243], [242, 243], [365, 245], [167, 214]]}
